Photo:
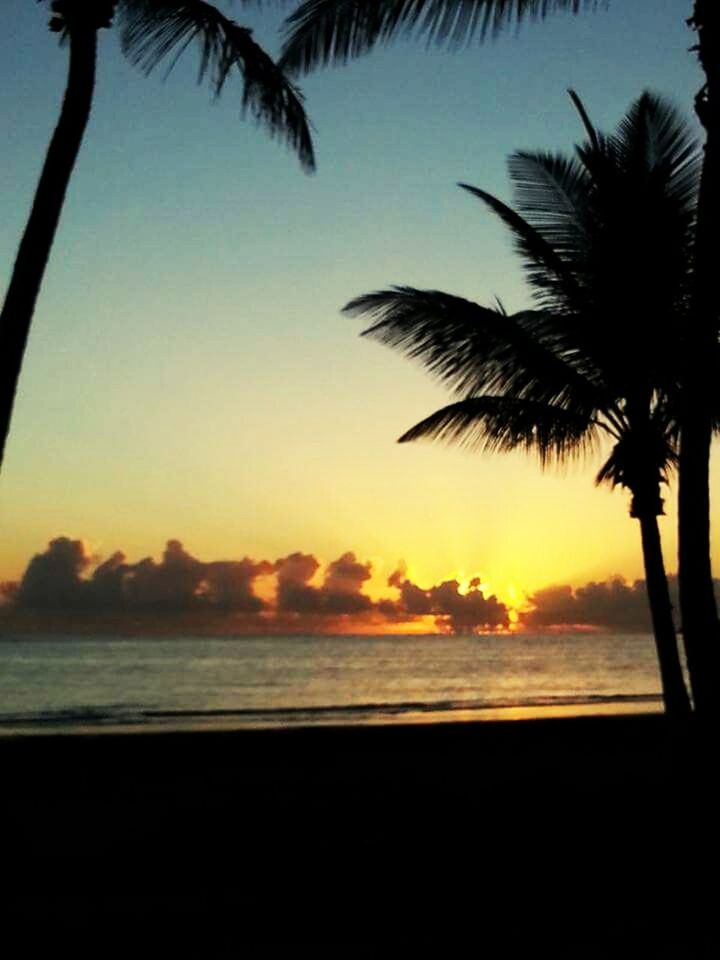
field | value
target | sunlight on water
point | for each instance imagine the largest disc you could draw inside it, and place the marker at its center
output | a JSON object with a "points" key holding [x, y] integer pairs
{"points": [[49, 683]]}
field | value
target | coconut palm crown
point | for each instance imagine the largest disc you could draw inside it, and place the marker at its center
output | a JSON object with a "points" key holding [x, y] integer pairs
{"points": [[605, 236], [152, 32]]}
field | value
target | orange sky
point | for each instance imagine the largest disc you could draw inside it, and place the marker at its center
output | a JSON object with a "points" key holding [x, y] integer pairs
{"points": [[445, 513], [67, 587], [189, 374]]}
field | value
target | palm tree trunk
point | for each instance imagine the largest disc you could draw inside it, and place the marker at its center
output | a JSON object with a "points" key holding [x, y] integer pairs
{"points": [[34, 249], [697, 599], [675, 695]]}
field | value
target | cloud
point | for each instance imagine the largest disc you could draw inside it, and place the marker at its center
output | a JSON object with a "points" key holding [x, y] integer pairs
{"points": [[108, 582], [228, 584], [66, 579], [339, 595], [173, 584], [613, 604], [342, 587], [52, 579], [179, 583], [309, 597], [455, 611], [59, 580], [294, 593]]}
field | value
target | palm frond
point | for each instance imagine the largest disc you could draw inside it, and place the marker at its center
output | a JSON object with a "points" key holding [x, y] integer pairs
{"points": [[615, 226], [551, 193], [496, 423], [654, 136], [592, 134], [320, 32], [475, 349], [606, 238], [154, 31], [642, 252], [546, 270]]}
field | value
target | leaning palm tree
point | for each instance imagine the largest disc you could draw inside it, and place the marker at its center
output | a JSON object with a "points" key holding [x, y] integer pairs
{"points": [[321, 32], [605, 237], [151, 31]]}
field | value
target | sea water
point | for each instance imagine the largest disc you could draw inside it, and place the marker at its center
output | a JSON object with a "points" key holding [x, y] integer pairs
{"points": [[57, 683]]}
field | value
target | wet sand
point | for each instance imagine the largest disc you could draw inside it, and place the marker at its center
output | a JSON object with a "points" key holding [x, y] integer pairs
{"points": [[586, 834]]}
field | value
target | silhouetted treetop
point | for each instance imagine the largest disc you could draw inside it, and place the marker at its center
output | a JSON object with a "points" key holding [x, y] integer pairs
{"points": [[605, 236], [156, 31], [334, 31]]}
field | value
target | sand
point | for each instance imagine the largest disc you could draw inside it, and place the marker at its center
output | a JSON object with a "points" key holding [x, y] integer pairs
{"points": [[587, 835]]}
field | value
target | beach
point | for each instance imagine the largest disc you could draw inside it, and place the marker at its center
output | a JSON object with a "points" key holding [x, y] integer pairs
{"points": [[584, 833]]}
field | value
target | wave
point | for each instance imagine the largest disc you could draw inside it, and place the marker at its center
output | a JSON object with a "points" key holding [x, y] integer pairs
{"points": [[95, 713], [137, 714]]}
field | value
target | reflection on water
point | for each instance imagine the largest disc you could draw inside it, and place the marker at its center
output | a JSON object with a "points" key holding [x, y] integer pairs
{"points": [[70, 683]]}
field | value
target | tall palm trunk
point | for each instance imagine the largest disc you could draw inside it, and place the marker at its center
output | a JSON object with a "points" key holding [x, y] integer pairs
{"points": [[675, 695], [697, 600], [34, 250]]}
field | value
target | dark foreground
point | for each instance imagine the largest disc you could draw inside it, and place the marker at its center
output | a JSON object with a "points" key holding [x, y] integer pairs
{"points": [[589, 835]]}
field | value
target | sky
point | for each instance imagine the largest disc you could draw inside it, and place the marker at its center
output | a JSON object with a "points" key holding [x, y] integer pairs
{"points": [[189, 374]]}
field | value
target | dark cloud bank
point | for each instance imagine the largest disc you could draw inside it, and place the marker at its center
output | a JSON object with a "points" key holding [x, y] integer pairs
{"points": [[65, 584]]}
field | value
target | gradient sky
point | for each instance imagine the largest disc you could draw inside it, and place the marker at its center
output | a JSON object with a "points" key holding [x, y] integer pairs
{"points": [[189, 374]]}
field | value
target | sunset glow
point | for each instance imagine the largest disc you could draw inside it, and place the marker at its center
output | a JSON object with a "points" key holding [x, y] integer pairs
{"points": [[199, 383], [355, 354], [69, 586]]}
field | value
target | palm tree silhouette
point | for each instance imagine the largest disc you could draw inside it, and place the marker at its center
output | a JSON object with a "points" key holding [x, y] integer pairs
{"points": [[151, 31], [605, 237], [321, 32], [701, 631]]}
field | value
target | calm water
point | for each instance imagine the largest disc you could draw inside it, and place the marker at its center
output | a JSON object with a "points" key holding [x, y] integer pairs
{"points": [[53, 683]]}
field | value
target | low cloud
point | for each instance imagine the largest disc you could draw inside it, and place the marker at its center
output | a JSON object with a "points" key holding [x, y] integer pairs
{"points": [[308, 596], [340, 593], [56, 580], [469, 611], [294, 593], [52, 580], [613, 604], [300, 594]]}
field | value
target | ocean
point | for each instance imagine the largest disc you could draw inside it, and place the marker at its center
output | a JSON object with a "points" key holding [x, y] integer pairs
{"points": [[64, 683]]}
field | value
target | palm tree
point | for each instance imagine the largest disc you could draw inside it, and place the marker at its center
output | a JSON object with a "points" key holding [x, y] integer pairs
{"points": [[151, 31], [698, 606], [321, 32], [605, 237]]}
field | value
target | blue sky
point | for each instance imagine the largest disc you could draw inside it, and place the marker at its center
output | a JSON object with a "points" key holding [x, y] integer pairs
{"points": [[189, 373]]}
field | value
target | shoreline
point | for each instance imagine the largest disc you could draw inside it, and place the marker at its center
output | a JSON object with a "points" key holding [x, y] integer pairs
{"points": [[376, 715]]}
